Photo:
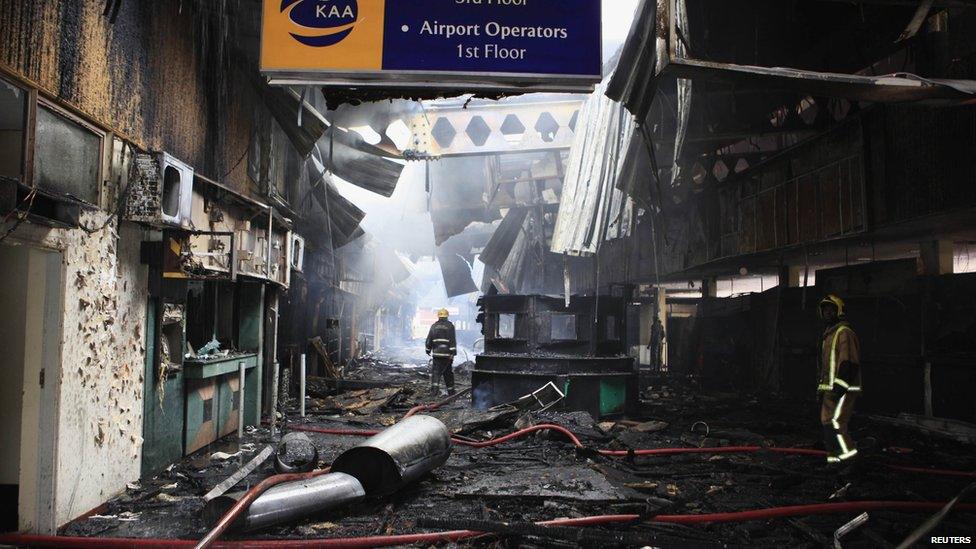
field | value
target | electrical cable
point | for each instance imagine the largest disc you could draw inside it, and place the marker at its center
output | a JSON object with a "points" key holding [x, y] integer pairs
{"points": [[21, 216]]}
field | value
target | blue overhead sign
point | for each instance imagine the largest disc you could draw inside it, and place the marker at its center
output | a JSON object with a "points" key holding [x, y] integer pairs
{"points": [[486, 43]]}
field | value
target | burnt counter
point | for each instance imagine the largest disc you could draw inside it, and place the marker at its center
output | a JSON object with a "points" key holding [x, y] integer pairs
{"points": [[602, 386]]}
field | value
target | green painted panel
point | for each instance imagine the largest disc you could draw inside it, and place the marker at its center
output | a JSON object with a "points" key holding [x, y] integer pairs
{"points": [[217, 368], [162, 427], [227, 404], [251, 338], [613, 396], [202, 409]]}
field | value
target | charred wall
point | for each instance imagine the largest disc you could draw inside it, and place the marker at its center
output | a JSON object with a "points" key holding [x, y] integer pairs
{"points": [[920, 161], [885, 167], [165, 73], [769, 341]]}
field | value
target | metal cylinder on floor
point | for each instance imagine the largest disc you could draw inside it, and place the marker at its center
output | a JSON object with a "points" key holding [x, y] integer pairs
{"points": [[289, 502], [397, 456], [296, 454]]}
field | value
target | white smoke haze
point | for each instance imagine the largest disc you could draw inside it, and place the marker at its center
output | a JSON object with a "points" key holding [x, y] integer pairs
{"points": [[402, 223]]}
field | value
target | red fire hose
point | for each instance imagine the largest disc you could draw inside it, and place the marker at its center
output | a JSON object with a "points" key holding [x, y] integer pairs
{"points": [[228, 519], [927, 471], [431, 407], [645, 452], [409, 539], [242, 504]]}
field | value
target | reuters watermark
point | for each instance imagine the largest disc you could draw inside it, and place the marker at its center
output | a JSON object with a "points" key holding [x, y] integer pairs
{"points": [[951, 540]]}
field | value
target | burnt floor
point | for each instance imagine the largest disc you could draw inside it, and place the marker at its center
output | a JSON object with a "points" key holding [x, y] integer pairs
{"points": [[543, 477]]}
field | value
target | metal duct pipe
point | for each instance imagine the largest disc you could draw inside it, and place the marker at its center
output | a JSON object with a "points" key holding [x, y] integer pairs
{"points": [[289, 502], [397, 456], [296, 454]]}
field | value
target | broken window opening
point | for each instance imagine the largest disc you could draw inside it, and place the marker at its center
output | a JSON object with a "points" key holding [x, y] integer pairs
{"points": [[563, 327], [13, 109], [505, 326], [211, 314]]}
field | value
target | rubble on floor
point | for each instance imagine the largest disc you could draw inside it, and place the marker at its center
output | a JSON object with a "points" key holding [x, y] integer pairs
{"points": [[542, 476]]}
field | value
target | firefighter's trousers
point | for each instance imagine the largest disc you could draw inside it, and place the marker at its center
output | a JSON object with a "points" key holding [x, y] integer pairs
{"points": [[442, 367], [835, 415]]}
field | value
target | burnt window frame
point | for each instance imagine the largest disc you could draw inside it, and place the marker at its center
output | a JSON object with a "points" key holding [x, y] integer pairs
{"points": [[497, 332], [576, 327], [27, 129], [104, 150]]}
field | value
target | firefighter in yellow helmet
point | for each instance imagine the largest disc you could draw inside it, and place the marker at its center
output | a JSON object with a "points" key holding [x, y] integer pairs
{"points": [[442, 346], [840, 379]]}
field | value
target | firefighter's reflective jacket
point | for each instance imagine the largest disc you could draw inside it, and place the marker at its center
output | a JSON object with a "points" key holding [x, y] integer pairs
{"points": [[441, 342], [840, 360]]}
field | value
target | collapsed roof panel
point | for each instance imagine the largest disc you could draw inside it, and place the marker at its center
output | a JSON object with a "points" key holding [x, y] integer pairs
{"points": [[356, 161], [457, 189], [456, 257], [592, 209], [303, 125], [343, 215], [456, 273], [502, 241], [634, 82], [378, 116]]}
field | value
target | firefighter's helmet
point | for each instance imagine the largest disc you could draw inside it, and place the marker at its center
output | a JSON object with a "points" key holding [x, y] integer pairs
{"points": [[835, 301], [443, 313]]}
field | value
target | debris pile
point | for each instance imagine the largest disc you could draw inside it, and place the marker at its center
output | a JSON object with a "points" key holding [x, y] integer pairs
{"points": [[467, 476]]}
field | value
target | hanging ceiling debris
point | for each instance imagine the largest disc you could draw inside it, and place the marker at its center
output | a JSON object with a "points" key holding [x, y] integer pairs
{"points": [[654, 50], [503, 240], [344, 216], [354, 160], [592, 209], [457, 187], [300, 121]]}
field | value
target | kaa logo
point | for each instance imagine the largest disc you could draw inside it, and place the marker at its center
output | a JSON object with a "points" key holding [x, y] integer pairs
{"points": [[321, 23]]}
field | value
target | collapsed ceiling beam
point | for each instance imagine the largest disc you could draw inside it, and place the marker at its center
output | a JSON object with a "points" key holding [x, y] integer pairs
{"points": [[881, 89]]}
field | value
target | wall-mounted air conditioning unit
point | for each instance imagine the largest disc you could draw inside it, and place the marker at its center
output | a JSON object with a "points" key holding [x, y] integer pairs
{"points": [[161, 191], [177, 191], [297, 251]]}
